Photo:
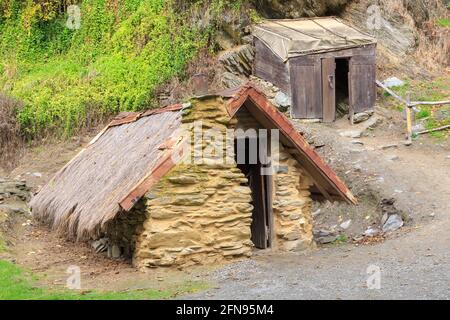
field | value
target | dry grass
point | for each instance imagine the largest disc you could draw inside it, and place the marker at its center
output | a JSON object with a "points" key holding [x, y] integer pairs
{"points": [[434, 46], [421, 16], [11, 140], [432, 40]]}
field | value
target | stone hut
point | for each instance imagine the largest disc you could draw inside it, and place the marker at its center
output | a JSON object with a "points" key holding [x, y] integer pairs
{"points": [[178, 185]]}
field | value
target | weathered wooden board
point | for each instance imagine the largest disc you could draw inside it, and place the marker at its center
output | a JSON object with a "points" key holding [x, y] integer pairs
{"points": [[362, 77], [270, 67], [269, 208], [329, 89], [369, 50], [306, 87]]}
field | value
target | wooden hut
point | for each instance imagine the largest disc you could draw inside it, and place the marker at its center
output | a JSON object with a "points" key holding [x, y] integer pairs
{"points": [[134, 186], [319, 62]]}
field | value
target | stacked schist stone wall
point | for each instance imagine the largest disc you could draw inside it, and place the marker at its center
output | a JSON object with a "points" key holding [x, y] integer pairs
{"points": [[198, 213], [201, 213], [292, 205], [121, 232]]}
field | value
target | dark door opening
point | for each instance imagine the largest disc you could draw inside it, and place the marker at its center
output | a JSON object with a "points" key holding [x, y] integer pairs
{"points": [[335, 88], [342, 87], [261, 187]]}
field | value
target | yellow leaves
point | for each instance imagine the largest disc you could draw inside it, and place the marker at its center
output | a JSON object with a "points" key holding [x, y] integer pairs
{"points": [[38, 10]]}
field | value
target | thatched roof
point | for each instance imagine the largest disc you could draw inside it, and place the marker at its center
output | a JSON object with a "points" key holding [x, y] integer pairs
{"points": [[86, 192]]}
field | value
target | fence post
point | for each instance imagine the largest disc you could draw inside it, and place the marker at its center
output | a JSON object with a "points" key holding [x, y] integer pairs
{"points": [[408, 117]]}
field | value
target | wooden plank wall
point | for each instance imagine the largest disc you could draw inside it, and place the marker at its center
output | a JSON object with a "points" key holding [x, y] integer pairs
{"points": [[270, 67], [302, 77], [306, 81], [362, 78]]}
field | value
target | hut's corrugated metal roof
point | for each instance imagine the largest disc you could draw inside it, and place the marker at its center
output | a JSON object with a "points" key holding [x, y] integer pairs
{"points": [[295, 37]]}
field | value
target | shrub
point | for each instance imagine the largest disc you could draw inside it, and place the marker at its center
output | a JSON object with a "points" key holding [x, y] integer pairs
{"points": [[11, 141], [68, 79]]}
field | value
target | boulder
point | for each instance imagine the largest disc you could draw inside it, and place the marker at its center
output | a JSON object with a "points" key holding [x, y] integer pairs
{"points": [[393, 82], [372, 231], [184, 179], [362, 116], [282, 101], [230, 80], [238, 60], [14, 188], [324, 236], [294, 235], [296, 245], [346, 224], [190, 200], [393, 223]]}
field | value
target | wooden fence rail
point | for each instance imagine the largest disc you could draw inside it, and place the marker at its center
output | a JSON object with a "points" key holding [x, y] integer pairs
{"points": [[410, 104]]}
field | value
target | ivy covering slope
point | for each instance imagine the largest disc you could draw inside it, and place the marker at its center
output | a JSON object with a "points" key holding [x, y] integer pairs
{"points": [[67, 78]]}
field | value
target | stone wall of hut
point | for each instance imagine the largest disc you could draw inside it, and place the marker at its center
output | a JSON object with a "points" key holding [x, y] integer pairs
{"points": [[201, 213], [197, 215], [292, 205]]}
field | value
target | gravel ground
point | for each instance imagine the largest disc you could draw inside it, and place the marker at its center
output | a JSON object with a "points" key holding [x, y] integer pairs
{"points": [[414, 263]]}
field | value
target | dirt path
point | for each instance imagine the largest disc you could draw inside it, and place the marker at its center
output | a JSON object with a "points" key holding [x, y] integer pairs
{"points": [[414, 263]]}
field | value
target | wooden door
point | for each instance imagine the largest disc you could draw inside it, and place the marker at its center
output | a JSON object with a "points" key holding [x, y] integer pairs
{"points": [[306, 87], [268, 189], [266, 177], [362, 75], [258, 227], [329, 89], [261, 191]]}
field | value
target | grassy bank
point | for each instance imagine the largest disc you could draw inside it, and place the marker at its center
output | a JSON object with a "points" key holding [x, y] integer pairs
{"points": [[17, 284], [434, 90]]}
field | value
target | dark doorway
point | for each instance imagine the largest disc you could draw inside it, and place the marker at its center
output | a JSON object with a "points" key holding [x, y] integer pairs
{"points": [[342, 87], [261, 188]]}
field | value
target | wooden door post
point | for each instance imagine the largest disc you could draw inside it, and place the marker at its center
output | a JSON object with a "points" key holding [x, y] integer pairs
{"points": [[328, 90]]}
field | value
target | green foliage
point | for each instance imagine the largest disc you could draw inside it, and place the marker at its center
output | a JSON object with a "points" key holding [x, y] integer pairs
{"points": [[255, 17], [115, 61], [435, 90], [423, 113], [444, 22], [16, 284], [342, 238]]}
